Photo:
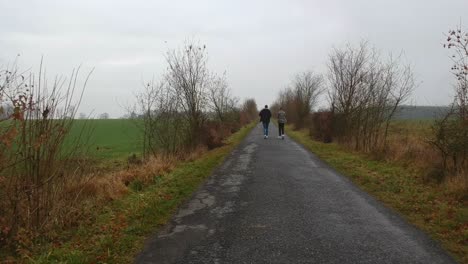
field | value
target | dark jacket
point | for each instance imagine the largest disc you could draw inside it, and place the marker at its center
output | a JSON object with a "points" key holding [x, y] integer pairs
{"points": [[265, 115]]}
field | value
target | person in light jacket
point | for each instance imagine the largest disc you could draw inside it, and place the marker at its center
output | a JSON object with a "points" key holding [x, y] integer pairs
{"points": [[281, 122]]}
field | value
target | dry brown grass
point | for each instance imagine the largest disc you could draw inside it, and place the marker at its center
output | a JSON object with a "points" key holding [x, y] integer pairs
{"points": [[80, 197], [408, 145], [458, 185], [114, 184], [95, 189], [194, 154], [411, 149]]}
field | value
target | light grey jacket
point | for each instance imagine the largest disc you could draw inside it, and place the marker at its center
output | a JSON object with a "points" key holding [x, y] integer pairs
{"points": [[281, 117]]}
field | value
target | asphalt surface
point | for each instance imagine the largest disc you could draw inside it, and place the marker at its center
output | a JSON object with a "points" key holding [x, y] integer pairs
{"points": [[272, 201]]}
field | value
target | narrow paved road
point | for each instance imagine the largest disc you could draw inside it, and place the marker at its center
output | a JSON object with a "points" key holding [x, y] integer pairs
{"points": [[272, 201]]}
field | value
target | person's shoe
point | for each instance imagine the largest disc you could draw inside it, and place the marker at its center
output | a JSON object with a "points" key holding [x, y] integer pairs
{"points": [[264, 137], [282, 137]]}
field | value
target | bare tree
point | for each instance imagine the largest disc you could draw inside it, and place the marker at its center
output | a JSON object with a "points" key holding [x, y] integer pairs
{"points": [[450, 134], [249, 110], [346, 72], [175, 110], [457, 41], [365, 92], [163, 123], [188, 77], [222, 103], [104, 116], [307, 88]]}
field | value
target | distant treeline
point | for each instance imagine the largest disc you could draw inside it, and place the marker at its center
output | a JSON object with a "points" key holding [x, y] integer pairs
{"points": [[407, 112]]}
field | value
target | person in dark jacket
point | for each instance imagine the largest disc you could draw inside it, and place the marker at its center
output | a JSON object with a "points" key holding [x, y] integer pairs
{"points": [[265, 116]]}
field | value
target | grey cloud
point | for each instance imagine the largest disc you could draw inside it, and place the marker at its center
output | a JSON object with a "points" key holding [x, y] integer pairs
{"points": [[261, 44]]}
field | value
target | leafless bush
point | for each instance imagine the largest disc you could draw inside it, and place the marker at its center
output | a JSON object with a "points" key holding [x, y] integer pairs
{"points": [[450, 134], [457, 41], [307, 88], [162, 123], [175, 111], [286, 100], [322, 126], [450, 138], [249, 111], [299, 99], [37, 157], [189, 78], [366, 92], [222, 103]]}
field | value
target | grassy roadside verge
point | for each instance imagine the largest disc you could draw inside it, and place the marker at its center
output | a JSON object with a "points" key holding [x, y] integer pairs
{"points": [[428, 206], [119, 231]]}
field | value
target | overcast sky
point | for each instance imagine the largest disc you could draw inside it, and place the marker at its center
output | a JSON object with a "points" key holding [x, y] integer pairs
{"points": [[260, 44]]}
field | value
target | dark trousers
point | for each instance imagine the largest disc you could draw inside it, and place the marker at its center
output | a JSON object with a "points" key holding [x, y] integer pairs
{"points": [[281, 128]]}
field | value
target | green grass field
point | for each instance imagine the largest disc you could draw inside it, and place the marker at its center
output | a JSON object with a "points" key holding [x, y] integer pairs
{"points": [[109, 139], [420, 128], [105, 139]]}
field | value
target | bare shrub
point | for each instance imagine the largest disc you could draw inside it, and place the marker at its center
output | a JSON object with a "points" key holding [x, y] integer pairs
{"points": [[214, 132], [299, 99], [222, 103], [178, 113], [450, 134], [161, 120], [307, 87], [38, 158], [457, 41], [366, 92], [189, 78], [249, 111], [286, 100], [322, 126], [450, 138]]}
